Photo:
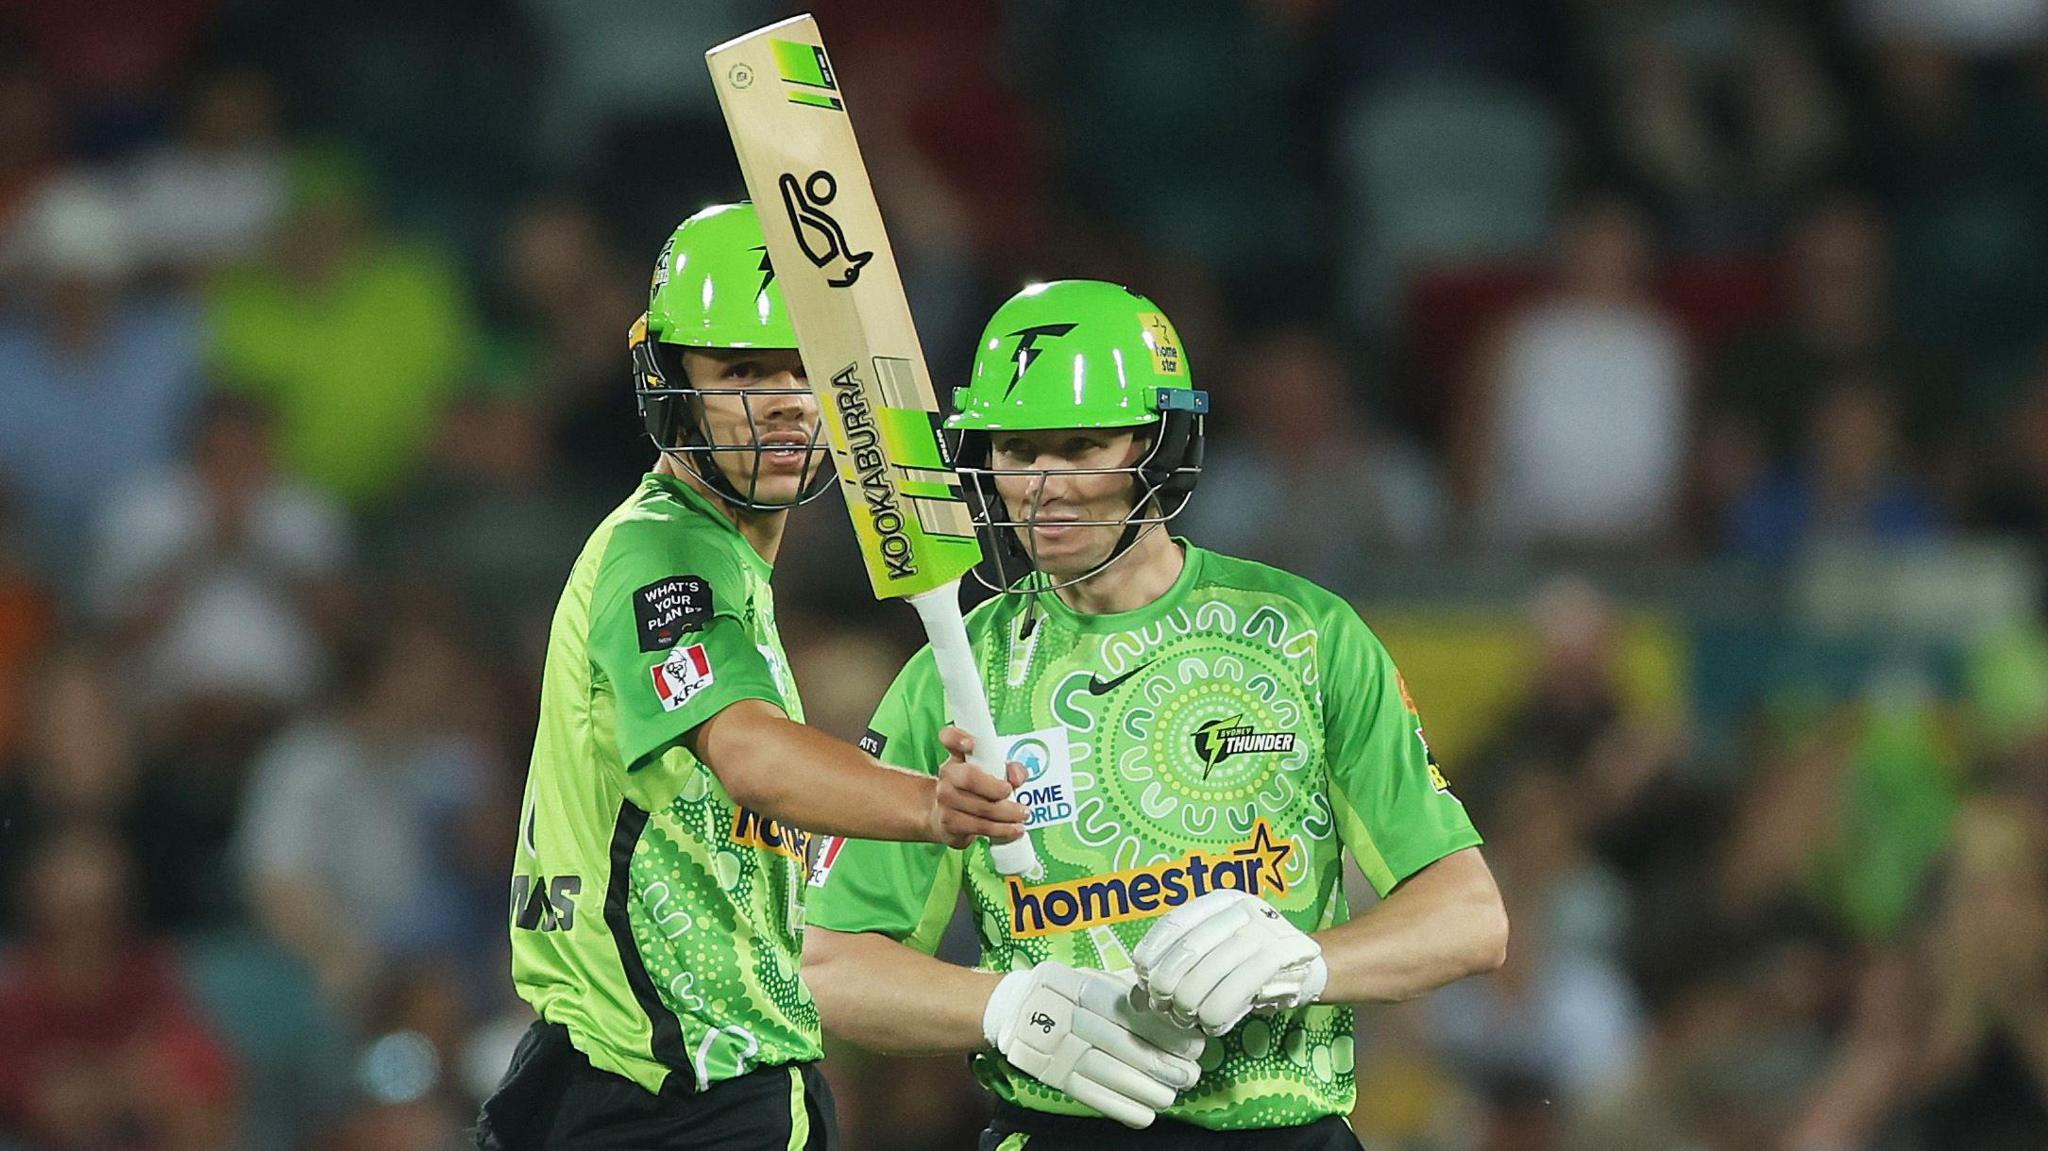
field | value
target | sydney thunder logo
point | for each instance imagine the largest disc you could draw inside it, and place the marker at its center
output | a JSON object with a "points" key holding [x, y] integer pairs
{"points": [[1219, 739], [1028, 349]]}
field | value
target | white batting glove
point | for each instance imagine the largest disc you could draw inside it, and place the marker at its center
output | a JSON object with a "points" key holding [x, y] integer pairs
{"points": [[1217, 958], [1084, 1033]]}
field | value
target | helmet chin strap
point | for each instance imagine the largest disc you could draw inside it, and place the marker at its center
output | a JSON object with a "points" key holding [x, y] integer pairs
{"points": [[1134, 528], [1011, 538], [672, 412], [699, 441]]}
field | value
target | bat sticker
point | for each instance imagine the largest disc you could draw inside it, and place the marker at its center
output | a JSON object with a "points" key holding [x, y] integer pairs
{"points": [[821, 237]]}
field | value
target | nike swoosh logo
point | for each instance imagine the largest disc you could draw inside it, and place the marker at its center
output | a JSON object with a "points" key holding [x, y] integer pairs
{"points": [[1098, 686]]}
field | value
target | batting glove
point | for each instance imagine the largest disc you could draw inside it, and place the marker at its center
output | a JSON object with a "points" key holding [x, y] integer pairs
{"points": [[1084, 1033], [1219, 957]]}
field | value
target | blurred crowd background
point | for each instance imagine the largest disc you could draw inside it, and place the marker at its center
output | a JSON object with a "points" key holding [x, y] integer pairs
{"points": [[1666, 380]]}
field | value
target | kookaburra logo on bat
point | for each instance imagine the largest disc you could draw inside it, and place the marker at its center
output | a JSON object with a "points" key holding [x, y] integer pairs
{"points": [[817, 233]]}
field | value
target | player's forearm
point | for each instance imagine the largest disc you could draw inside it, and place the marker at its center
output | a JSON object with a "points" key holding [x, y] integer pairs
{"points": [[1445, 923], [876, 992], [805, 778]]}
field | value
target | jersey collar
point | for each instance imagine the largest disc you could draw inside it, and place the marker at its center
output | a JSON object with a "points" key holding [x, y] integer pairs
{"points": [[696, 501], [1190, 574]]}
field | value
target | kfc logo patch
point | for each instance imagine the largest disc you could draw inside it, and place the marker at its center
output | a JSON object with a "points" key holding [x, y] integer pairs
{"points": [[827, 855], [685, 672]]}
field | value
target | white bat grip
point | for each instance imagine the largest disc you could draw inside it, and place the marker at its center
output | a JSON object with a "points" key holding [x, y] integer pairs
{"points": [[939, 608]]}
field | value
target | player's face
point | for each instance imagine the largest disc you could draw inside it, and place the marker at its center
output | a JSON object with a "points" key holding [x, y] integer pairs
{"points": [[757, 398], [1070, 490]]}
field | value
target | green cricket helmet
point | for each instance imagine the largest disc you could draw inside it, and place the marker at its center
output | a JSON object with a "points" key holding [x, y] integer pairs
{"points": [[1081, 354], [713, 288]]}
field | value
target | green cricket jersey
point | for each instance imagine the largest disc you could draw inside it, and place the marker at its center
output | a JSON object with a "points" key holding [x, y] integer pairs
{"points": [[656, 919], [1242, 731]]}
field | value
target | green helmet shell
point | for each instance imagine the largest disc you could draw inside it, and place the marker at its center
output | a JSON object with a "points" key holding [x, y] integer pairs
{"points": [[1072, 354], [713, 286]]}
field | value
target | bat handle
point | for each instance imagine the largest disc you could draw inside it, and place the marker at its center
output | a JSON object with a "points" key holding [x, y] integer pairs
{"points": [[939, 608]]}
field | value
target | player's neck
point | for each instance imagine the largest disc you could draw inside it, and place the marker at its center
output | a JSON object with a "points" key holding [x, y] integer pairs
{"points": [[1135, 580], [762, 530]]}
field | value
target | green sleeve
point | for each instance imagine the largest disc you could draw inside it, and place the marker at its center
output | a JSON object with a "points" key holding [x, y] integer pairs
{"points": [[905, 891], [666, 630], [1395, 812]]}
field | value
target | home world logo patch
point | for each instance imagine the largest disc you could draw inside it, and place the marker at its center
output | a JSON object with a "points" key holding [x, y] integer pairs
{"points": [[1048, 790]]}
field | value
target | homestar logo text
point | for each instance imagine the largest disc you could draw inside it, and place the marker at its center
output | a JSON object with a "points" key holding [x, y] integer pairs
{"points": [[1219, 739], [755, 830], [1252, 867]]}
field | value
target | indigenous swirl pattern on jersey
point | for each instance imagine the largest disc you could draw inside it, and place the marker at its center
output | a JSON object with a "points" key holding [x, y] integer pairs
{"points": [[1242, 731], [655, 918]]}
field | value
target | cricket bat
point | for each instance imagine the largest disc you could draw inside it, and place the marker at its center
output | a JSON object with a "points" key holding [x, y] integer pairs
{"points": [[845, 296]]}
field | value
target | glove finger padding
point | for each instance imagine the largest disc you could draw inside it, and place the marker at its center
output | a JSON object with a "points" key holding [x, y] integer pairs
{"points": [[1237, 995], [1112, 1105], [1295, 985], [1081, 1032], [1212, 961], [1100, 1067], [1246, 961], [1168, 931], [1117, 1038], [1180, 1041], [1162, 968]]}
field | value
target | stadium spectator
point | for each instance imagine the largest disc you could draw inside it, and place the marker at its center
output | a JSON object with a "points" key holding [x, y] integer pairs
{"points": [[2013, 485], [1851, 482], [214, 570], [28, 618], [1313, 482], [356, 339], [89, 363], [573, 298], [1560, 1013], [79, 764], [114, 65], [340, 842], [1944, 1043], [28, 153], [1572, 718], [488, 524], [609, 65], [1578, 418], [1724, 109], [1984, 1085], [1217, 179], [1839, 316], [104, 1048], [85, 761], [213, 194]]}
